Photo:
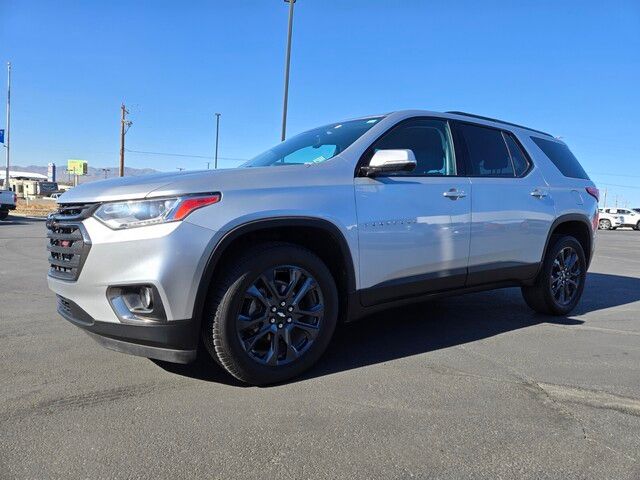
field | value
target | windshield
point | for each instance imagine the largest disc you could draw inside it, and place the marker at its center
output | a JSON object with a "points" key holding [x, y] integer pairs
{"points": [[315, 145]]}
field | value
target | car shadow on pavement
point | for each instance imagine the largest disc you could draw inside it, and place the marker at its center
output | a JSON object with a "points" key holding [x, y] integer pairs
{"points": [[425, 327]]}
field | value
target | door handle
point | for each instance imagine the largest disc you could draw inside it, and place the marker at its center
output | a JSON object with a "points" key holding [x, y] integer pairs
{"points": [[538, 193], [454, 194]]}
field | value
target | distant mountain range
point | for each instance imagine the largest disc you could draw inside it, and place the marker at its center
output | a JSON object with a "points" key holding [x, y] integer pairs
{"points": [[94, 173]]}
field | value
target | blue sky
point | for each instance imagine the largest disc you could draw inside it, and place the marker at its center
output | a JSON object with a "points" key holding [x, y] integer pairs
{"points": [[568, 67]]}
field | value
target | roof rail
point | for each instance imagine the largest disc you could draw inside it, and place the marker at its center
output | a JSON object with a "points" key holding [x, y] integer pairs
{"points": [[480, 117]]}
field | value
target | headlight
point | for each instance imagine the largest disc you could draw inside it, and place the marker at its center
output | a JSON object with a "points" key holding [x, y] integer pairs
{"points": [[139, 213]]}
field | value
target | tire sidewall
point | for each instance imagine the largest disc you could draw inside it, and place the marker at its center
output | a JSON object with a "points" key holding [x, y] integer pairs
{"points": [[227, 313], [561, 243]]}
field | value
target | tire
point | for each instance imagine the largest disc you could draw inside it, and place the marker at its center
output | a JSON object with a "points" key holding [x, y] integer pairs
{"points": [[637, 227], [4, 214], [248, 331], [604, 224], [552, 287]]}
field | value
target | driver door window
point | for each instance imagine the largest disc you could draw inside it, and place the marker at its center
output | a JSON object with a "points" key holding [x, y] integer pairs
{"points": [[430, 141]]}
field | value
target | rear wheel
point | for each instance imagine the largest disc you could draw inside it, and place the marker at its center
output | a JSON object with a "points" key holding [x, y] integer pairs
{"points": [[4, 214], [273, 315], [637, 227], [560, 283], [604, 224]]}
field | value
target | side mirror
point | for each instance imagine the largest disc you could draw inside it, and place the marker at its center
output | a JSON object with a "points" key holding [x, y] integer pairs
{"points": [[386, 161]]}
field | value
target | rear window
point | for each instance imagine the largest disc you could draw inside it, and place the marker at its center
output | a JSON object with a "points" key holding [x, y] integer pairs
{"points": [[562, 158]]}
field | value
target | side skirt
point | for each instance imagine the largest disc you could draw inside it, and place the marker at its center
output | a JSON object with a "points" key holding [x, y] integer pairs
{"points": [[374, 299]]}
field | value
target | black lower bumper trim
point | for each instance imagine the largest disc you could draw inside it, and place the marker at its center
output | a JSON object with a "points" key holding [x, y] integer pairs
{"points": [[173, 341], [159, 353]]}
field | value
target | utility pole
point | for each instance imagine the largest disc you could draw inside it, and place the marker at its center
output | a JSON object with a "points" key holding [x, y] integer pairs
{"points": [[287, 62], [7, 183], [124, 127], [215, 159]]}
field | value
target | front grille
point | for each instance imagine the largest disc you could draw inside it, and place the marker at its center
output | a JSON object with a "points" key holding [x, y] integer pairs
{"points": [[67, 240]]}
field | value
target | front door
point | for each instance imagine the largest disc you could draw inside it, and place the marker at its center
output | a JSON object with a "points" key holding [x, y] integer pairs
{"points": [[413, 227]]}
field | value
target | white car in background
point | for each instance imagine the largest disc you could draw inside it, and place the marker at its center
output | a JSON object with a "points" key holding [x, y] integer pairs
{"points": [[627, 216], [608, 221]]}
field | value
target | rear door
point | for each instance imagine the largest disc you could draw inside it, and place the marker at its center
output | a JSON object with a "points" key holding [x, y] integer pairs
{"points": [[512, 209], [413, 227]]}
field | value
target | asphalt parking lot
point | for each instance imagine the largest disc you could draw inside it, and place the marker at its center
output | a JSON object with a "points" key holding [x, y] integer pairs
{"points": [[469, 387]]}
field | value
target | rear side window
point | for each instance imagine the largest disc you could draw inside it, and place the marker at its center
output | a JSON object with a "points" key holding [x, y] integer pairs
{"points": [[562, 158], [487, 152]]}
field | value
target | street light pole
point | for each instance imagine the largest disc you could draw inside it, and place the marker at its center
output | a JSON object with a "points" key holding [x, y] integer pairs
{"points": [[7, 185], [287, 62], [215, 159]]}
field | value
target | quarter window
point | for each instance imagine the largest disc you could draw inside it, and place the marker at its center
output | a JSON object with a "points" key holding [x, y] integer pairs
{"points": [[561, 157], [487, 152], [428, 139]]}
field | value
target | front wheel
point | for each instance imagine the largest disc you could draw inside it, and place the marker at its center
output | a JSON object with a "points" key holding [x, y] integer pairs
{"points": [[560, 283], [273, 315], [637, 227]]}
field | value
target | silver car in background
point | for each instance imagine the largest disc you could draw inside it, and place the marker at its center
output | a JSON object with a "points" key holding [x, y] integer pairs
{"points": [[256, 265]]}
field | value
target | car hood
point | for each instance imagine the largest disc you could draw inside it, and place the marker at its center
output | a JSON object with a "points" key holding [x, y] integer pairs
{"points": [[182, 183]]}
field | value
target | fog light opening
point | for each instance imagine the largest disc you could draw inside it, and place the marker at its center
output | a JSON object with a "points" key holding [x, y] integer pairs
{"points": [[146, 298]]}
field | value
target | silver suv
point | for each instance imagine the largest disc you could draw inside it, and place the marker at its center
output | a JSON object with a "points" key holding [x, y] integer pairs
{"points": [[256, 265]]}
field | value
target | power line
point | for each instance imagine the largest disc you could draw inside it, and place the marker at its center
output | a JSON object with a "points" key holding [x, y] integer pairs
{"points": [[635, 187], [616, 175], [166, 154]]}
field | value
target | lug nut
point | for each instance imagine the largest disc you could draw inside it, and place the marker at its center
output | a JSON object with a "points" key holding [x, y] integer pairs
{"points": [[272, 320], [274, 309], [279, 325], [282, 304], [290, 309], [289, 320]]}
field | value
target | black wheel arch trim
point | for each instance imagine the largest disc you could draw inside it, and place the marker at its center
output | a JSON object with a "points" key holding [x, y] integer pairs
{"points": [[569, 217], [263, 224]]}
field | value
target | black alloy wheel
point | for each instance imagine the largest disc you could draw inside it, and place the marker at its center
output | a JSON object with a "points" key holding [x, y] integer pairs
{"points": [[273, 313], [281, 315], [566, 276]]}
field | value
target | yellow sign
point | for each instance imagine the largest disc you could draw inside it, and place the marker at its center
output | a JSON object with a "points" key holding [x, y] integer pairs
{"points": [[77, 167]]}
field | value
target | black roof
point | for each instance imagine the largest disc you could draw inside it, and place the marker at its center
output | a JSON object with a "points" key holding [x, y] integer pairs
{"points": [[464, 114]]}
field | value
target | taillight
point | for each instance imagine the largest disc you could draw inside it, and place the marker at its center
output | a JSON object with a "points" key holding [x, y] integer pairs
{"points": [[594, 192]]}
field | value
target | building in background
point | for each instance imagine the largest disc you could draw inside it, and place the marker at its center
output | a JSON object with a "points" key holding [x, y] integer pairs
{"points": [[29, 184], [51, 172]]}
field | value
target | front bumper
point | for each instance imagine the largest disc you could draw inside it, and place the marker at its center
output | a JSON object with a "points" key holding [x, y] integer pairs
{"points": [[173, 342], [170, 257]]}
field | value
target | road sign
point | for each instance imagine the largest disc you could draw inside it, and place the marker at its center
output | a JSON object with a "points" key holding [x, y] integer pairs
{"points": [[77, 167], [1, 135]]}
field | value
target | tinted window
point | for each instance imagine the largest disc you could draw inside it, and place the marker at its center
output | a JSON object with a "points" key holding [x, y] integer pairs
{"points": [[430, 142], [561, 157], [487, 151], [520, 162]]}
